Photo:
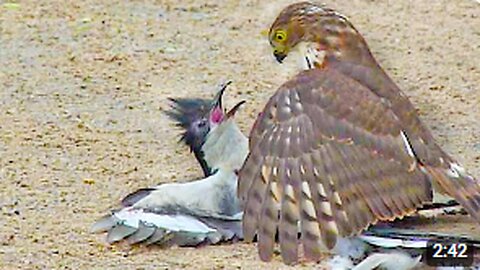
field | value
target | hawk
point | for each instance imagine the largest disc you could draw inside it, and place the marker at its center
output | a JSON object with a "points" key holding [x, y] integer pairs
{"points": [[338, 147]]}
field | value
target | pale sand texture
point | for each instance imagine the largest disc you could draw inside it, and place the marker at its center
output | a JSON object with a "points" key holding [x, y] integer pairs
{"points": [[83, 83]]}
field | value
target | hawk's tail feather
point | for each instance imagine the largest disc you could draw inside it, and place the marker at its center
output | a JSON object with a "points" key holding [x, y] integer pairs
{"points": [[461, 187], [330, 211], [251, 194], [268, 221], [314, 227], [290, 213]]}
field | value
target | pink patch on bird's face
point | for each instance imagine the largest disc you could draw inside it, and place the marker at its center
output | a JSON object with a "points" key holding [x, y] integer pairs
{"points": [[216, 116]]}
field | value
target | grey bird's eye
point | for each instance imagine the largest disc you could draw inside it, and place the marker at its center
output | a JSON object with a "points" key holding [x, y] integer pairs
{"points": [[202, 123]]}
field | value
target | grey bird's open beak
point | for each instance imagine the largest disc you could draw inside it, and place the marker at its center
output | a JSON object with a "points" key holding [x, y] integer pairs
{"points": [[217, 100], [235, 108], [279, 56]]}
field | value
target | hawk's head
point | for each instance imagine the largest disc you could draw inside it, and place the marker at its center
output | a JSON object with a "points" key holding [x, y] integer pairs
{"points": [[316, 32]]}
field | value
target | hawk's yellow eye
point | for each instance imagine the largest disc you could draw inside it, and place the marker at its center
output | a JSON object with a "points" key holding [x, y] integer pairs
{"points": [[280, 35]]}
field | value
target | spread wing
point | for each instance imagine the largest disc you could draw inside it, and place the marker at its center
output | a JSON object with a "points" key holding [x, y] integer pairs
{"points": [[447, 176], [164, 215], [329, 153]]}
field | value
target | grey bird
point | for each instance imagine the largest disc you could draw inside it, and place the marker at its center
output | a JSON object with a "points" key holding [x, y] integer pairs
{"points": [[195, 212]]}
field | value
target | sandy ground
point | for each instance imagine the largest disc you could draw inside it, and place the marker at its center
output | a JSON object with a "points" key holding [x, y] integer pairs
{"points": [[83, 85]]}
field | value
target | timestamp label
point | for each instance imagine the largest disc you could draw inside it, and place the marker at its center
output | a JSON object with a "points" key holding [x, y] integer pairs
{"points": [[447, 253]]}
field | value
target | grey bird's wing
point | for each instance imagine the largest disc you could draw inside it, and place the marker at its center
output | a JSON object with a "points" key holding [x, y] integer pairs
{"points": [[138, 226], [184, 214]]}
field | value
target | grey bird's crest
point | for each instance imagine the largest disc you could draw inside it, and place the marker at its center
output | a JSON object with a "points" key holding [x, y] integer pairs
{"points": [[192, 115]]}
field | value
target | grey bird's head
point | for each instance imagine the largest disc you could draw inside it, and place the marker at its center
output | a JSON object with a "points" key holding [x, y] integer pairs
{"points": [[197, 117]]}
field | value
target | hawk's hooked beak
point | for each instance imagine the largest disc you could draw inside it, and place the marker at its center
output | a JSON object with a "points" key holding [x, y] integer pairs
{"points": [[279, 56]]}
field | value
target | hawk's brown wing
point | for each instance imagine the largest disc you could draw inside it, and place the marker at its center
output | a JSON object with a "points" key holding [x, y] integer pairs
{"points": [[447, 176], [329, 153]]}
